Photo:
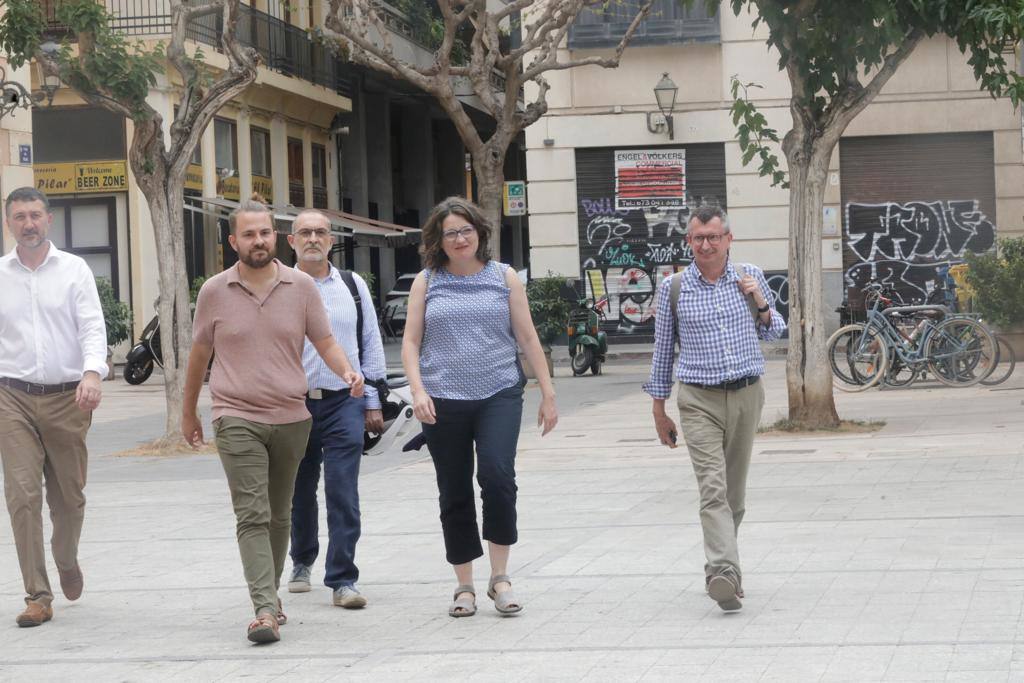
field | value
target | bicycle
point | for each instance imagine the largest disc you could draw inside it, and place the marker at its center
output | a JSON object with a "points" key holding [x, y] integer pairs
{"points": [[959, 350]]}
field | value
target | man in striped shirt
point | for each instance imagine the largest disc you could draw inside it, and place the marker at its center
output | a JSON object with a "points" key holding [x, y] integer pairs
{"points": [[720, 396], [336, 439]]}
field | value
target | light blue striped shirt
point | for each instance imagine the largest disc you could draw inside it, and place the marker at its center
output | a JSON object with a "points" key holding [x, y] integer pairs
{"points": [[341, 309]]}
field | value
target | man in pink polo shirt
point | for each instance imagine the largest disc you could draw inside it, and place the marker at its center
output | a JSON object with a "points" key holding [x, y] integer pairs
{"points": [[256, 315]]}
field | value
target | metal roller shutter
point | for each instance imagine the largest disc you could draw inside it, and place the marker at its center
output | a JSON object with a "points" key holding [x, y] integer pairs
{"points": [[912, 204], [625, 254]]}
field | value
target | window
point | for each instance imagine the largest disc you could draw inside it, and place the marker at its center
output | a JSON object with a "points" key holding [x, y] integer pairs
{"points": [[77, 134], [296, 176], [669, 22], [260, 143], [319, 177], [88, 228], [226, 144]]}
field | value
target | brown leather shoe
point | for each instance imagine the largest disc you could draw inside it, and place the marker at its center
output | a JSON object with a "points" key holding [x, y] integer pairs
{"points": [[71, 582], [35, 614]]}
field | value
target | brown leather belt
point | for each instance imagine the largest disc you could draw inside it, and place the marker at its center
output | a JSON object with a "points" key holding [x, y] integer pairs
{"points": [[37, 389]]}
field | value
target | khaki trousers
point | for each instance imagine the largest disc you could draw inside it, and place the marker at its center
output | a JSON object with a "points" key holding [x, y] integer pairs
{"points": [[42, 438], [719, 428], [260, 462]]}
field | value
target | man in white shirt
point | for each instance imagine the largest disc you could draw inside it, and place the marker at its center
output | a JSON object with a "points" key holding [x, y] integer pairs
{"points": [[53, 350], [336, 439]]}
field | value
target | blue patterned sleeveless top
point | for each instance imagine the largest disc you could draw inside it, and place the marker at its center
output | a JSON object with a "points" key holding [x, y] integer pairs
{"points": [[468, 351]]}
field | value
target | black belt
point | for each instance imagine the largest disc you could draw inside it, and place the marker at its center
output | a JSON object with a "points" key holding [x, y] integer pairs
{"points": [[317, 394], [37, 389], [728, 386]]}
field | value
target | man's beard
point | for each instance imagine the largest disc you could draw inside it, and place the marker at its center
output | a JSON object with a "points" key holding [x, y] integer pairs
{"points": [[32, 241], [258, 262]]}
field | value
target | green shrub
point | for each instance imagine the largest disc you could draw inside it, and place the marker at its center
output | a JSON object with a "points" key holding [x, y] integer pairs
{"points": [[548, 307], [997, 279], [116, 313]]}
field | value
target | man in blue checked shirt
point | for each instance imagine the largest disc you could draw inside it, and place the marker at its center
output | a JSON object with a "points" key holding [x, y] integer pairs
{"points": [[720, 396], [336, 438]]}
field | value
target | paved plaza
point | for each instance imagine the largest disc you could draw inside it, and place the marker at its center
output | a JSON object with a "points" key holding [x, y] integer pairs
{"points": [[896, 555]]}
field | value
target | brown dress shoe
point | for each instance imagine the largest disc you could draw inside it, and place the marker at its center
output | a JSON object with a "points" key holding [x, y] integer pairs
{"points": [[35, 614], [71, 582]]}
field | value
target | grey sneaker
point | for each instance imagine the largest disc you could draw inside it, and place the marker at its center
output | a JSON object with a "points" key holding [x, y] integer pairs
{"points": [[724, 588], [299, 583], [349, 598]]}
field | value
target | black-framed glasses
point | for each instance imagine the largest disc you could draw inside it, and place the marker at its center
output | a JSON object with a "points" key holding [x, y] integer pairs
{"points": [[464, 232], [710, 239]]}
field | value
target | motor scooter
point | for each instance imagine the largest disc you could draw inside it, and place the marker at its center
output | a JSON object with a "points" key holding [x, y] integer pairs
{"points": [[588, 345], [146, 352], [396, 405]]}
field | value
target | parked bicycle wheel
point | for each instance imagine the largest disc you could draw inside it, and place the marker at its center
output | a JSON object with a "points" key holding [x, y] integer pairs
{"points": [[1006, 361], [858, 357], [961, 352], [901, 374]]}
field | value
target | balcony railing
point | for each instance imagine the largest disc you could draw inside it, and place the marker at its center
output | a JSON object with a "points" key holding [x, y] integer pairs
{"points": [[281, 46]]}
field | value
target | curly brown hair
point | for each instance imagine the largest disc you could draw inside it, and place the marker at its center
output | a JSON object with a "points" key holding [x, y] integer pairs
{"points": [[432, 250]]}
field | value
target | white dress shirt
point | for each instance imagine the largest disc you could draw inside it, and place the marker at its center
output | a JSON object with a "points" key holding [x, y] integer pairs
{"points": [[51, 322]]}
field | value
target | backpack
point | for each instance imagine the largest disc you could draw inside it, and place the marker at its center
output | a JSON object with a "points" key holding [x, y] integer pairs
{"points": [[673, 299]]}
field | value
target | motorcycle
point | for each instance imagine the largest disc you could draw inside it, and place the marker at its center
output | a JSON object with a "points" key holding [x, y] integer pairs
{"points": [[588, 345], [396, 405], [145, 354]]}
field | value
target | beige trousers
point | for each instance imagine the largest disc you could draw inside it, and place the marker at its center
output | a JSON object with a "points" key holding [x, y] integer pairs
{"points": [[260, 462], [42, 439], [719, 428]]}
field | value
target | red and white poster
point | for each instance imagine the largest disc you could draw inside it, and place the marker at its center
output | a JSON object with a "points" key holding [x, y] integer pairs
{"points": [[650, 178]]}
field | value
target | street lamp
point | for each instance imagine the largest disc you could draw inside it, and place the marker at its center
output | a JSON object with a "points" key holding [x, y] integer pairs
{"points": [[665, 94], [49, 83], [14, 96]]}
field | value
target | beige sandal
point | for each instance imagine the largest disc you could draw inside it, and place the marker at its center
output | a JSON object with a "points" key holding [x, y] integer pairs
{"points": [[505, 602], [463, 607], [282, 618]]}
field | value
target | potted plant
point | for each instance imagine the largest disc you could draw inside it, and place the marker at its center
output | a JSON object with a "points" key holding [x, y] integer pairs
{"points": [[997, 281], [116, 316], [549, 309]]}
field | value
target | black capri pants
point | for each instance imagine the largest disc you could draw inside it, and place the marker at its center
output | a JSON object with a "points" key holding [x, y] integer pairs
{"points": [[492, 424]]}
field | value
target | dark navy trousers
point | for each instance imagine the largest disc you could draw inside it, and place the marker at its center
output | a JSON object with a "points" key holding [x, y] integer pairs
{"points": [[336, 442], [492, 424]]}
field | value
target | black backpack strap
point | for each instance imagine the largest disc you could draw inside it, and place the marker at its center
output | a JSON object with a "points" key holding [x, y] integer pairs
{"points": [[673, 300], [350, 282]]}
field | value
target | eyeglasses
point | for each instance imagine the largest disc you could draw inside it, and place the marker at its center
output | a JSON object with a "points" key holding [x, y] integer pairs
{"points": [[320, 233], [464, 232], [710, 239]]}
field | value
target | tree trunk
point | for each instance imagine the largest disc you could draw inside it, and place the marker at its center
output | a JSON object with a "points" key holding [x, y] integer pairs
{"points": [[490, 182], [808, 375], [164, 196]]}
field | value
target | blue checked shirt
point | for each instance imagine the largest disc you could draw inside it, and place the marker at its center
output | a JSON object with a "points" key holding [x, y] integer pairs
{"points": [[341, 309], [718, 337]]}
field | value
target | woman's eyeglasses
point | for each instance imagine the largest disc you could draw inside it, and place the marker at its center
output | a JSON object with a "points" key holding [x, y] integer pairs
{"points": [[464, 232]]}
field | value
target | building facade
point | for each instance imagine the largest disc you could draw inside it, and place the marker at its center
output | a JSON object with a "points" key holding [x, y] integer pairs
{"points": [[931, 170], [312, 131]]}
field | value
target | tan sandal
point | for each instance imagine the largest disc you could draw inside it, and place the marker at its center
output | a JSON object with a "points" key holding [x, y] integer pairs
{"points": [[264, 629], [505, 601], [282, 618], [463, 607]]}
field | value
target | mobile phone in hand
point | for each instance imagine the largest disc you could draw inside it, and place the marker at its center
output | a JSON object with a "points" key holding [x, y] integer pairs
{"points": [[672, 437]]}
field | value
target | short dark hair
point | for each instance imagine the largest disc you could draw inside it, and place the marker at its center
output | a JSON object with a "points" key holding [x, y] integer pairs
{"points": [[26, 194], [247, 206], [705, 213], [433, 236]]}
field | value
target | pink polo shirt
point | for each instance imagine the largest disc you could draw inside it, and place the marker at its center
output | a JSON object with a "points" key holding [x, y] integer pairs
{"points": [[257, 365]]}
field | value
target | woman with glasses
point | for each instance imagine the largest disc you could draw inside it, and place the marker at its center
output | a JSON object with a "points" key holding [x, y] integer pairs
{"points": [[466, 314]]}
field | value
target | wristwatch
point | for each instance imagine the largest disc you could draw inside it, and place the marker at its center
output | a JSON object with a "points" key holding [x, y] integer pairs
{"points": [[764, 309]]}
